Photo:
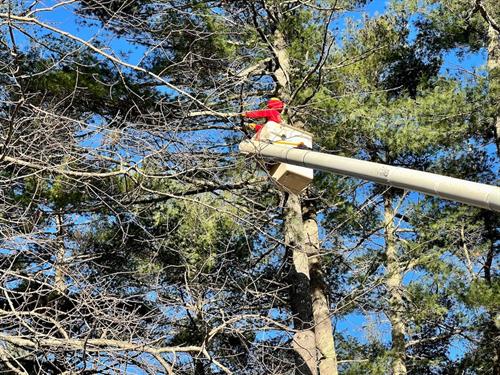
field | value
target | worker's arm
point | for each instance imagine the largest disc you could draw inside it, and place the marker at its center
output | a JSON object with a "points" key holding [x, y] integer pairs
{"points": [[263, 113]]}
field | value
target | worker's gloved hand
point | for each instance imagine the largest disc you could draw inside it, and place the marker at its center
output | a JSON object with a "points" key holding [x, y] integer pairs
{"points": [[251, 126], [302, 146]]}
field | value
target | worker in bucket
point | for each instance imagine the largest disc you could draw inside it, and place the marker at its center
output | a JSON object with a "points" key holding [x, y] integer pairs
{"points": [[271, 114]]}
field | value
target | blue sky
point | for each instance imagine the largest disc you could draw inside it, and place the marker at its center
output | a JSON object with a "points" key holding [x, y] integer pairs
{"points": [[64, 18]]}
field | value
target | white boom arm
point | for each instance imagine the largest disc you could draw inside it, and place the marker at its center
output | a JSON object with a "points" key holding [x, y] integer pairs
{"points": [[471, 193]]}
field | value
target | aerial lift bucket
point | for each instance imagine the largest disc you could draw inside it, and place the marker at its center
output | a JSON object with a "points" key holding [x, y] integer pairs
{"points": [[291, 178]]}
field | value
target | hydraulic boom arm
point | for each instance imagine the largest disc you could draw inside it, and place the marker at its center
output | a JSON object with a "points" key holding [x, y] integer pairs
{"points": [[471, 193]]}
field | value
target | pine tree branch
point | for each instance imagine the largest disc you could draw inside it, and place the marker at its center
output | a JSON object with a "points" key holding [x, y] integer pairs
{"points": [[105, 54], [486, 16], [433, 339], [325, 50]]}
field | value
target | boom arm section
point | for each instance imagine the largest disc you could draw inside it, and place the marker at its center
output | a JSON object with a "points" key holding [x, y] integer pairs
{"points": [[471, 193]]}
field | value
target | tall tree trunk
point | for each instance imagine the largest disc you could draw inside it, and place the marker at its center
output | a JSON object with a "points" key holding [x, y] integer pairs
{"points": [[494, 76], [323, 329], [307, 289], [492, 332], [300, 297], [493, 64], [393, 285], [298, 277]]}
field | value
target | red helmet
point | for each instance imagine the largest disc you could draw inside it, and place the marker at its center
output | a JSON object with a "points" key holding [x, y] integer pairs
{"points": [[275, 103]]}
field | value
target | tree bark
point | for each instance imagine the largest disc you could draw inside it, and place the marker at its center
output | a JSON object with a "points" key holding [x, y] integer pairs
{"points": [[492, 330], [300, 297], [308, 299], [298, 277], [59, 282], [282, 72], [315, 329], [323, 329], [393, 285], [493, 64]]}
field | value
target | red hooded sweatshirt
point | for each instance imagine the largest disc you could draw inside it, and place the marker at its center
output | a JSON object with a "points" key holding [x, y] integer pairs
{"points": [[273, 113]]}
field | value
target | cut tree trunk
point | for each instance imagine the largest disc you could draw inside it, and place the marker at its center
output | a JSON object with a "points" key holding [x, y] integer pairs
{"points": [[393, 285]]}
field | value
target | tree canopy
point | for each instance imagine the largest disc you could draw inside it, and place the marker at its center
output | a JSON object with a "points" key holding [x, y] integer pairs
{"points": [[135, 239]]}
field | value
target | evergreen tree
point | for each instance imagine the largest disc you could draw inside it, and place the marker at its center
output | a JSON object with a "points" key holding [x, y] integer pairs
{"points": [[135, 238], [395, 108]]}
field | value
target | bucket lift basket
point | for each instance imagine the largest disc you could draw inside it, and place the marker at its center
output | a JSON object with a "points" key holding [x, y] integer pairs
{"points": [[289, 177]]}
